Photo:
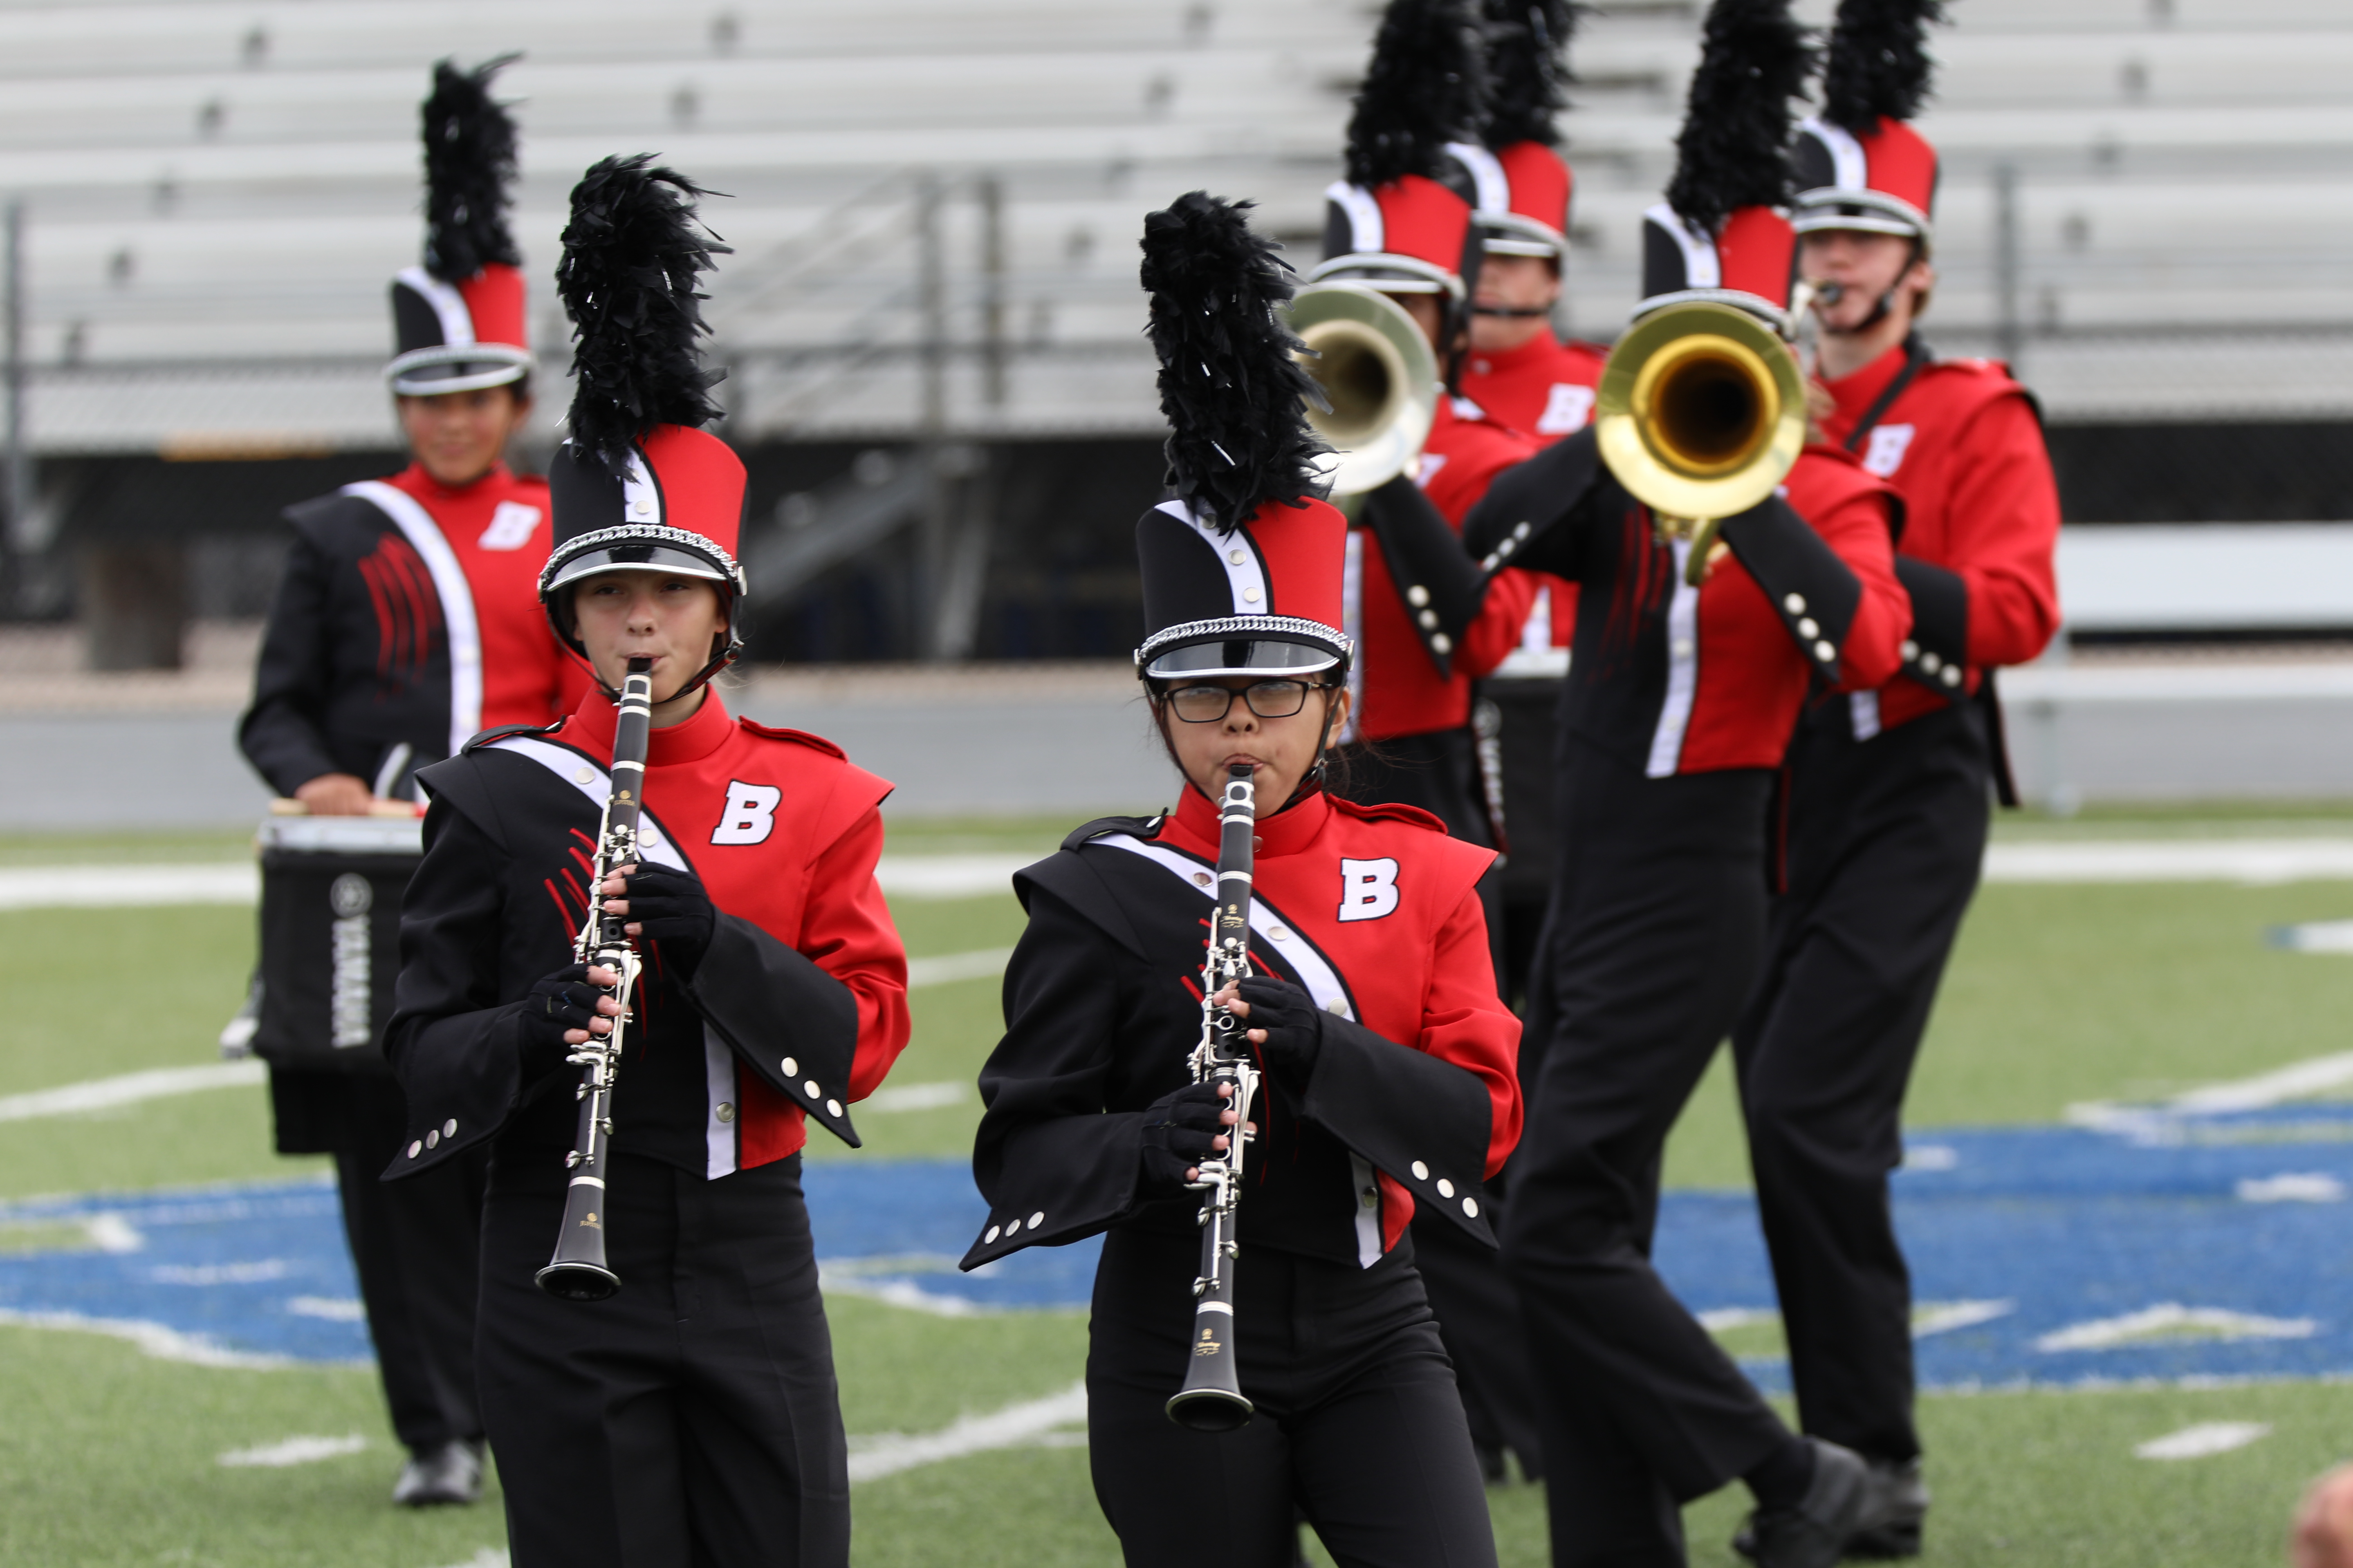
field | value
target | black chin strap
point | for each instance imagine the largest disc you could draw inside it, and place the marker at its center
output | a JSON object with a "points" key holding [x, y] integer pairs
{"points": [[1511, 312], [1311, 781]]}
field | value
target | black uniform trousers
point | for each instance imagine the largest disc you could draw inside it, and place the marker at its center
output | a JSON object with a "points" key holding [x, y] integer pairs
{"points": [[1885, 838], [415, 1246], [1358, 1426], [1658, 924], [690, 1421], [1438, 772]]}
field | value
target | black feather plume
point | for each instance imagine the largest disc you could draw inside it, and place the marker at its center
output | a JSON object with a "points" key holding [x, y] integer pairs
{"points": [[1733, 151], [631, 254], [1427, 86], [1879, 62], [470, 163], [1527, 69], [1238, 428]]}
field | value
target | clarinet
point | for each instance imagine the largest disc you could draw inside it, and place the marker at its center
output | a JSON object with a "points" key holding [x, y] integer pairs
{"points": [[1212, 1398], [578, 1271]]}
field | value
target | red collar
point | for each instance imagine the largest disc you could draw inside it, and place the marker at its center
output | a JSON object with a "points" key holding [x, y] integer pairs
{"points": [[1855, 393], [590, 728], [1287, 832], [1505, 361], [425, 488]]}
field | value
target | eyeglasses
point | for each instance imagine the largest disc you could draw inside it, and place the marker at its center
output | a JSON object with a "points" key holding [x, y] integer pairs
{"points": [[1267, 699]]}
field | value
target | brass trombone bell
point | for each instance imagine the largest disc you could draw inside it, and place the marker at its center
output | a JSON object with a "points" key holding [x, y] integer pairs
{"points": [[1378, 374], [1700, 414]]}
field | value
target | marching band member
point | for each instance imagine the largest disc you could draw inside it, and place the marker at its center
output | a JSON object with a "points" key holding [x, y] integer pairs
{"points": [[1688, 674], [1389, 1087], [408, 620], [693, 1415], [1425, 622], [1889, 788]]}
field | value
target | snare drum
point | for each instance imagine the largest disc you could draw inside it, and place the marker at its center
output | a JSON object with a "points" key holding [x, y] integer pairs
{"points": [[331, 889]]}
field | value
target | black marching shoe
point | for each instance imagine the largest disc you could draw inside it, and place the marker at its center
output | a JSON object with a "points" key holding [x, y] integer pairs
{"points": [[446, 1473], [1894, 1507], [1818, 1531]]}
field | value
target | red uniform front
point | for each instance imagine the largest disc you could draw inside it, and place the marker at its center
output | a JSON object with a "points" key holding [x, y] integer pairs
{"points": [[1399, 690], [1962, 444]]}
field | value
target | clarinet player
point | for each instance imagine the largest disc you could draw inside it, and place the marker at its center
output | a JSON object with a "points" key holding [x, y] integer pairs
{"points": [[692, 1417], [1388, 1083]]}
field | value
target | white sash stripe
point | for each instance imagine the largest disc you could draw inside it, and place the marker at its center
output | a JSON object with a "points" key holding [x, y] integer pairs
{"points": [[456, 597], [1683, 672]]}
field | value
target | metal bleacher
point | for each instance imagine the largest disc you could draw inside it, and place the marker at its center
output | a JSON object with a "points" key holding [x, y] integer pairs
{"points": [[214, 191]]}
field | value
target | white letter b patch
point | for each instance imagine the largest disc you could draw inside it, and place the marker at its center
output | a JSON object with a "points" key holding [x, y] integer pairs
{"points": [[751, 814], [1367, 889]]}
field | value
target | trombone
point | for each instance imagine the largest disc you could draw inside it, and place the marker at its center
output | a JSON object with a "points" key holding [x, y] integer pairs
{"points": [[1700, 414], [1380, 380]]}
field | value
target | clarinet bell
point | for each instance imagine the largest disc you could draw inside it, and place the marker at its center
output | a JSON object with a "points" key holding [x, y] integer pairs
{"points": [[577, 1272], [1212, 1398]]}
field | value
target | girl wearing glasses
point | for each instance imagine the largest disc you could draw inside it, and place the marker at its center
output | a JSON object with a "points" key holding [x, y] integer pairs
{"points": [[1389, 1061]]}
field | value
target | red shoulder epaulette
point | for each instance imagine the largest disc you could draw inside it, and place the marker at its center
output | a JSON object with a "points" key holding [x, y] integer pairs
{"points": [[799, 737], [1410, 816]]}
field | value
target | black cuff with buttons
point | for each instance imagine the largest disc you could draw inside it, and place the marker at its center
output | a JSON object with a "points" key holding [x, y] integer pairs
{"points": [[1936, 652], [1816, 593]]}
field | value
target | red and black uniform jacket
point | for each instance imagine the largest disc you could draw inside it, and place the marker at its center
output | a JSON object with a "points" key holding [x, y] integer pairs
{"points": [[1426, 621], [796, 1009], [1670, 679], [1962, 444], [1544, 387], [409, 613], [1413, 1097]]}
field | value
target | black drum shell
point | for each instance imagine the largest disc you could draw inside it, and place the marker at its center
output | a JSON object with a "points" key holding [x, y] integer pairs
{"points": [[314, 1015]]}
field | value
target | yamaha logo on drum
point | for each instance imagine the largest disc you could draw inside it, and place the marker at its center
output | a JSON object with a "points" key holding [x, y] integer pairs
{"points": [[351, 1015]]}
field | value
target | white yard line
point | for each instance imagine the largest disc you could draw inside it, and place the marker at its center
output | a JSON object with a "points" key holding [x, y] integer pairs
{"points": [[156, 1339], [2206, 1437], [292, 1451], [2250, 861], [2172, 1320], [892, 1098], [872, 1459], [2294, 1081], [129, 1089], [947, 968], [950, 876]]}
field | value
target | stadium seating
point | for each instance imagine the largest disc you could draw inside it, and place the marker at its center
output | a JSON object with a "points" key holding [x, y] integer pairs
{"points": [[216, 192]]}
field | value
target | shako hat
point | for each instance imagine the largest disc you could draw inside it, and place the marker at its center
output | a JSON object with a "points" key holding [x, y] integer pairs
{"points": [[458, 321], [639, 484], [1399, 217], [1859, 163], [1520, 185], [1723, 233], [1242, 568]]}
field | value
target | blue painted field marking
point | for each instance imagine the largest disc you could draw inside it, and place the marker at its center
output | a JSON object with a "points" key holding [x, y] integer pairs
{"points": [[2160, 1250]]}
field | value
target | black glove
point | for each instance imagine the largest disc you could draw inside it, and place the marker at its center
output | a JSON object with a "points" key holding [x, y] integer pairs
{"points": [[1293, 1026], [561, 1000], [671, 908], [1178, 1129]]}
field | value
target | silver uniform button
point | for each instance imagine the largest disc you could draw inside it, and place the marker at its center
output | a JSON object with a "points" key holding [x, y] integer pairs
{"points": [[1910, 650], [1249, 595], [1682, 648], [1200, 878], [725, 1112], [1280, 934], [833, 1108], [1367, 1198], [1336, 1006], [1037, 1219], [811, 1089], [433, 1138], [1794, 604], [1010, 1226], [1445, 1188], [1930, 662], [1826, 653], [449, 1128], [991, 1234], [1952, 676], [1429, 619], [1807, 628], [1417, 596], [1523, 529], [792, 1067], [1442, 642], [1237, 557], [1471, 1208], [414, 1149], [1420, 1172], [584, 777]]}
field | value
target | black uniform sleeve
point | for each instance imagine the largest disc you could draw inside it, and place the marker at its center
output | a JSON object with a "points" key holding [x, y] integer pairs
{"points": [[1424, 1121], [1054, 1165], [1815, 594], [1442, 587], [788, 1020], [456, 1051], [1536, 514], [283, 734], [1937, 653]]}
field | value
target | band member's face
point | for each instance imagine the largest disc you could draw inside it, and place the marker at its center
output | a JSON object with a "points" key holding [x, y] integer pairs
{"points": [[1866, 266], [459, 437], [1513, 283], [1428, 314], [1280, 750], [622, 616]]}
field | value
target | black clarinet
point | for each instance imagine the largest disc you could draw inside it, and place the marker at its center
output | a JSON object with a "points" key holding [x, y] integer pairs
{"points": [[1212, 1398], [578, 1271]]}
